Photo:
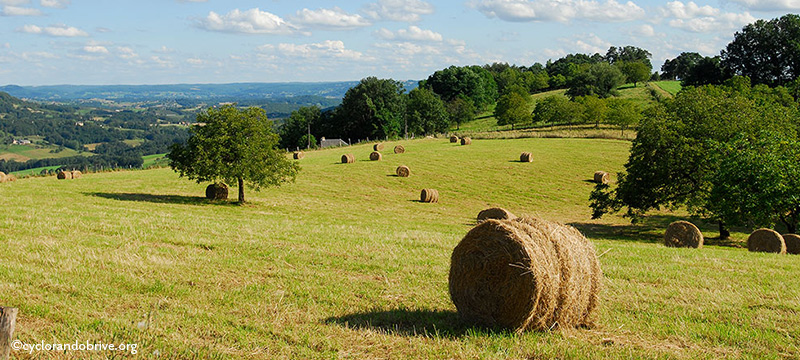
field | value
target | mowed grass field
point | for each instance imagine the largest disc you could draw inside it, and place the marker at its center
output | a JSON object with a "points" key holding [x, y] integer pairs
{"points": [[346, 263]]}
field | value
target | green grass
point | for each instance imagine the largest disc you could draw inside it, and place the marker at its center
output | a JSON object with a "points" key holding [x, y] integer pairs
{"points": [[345, 263], [22, 153], [35, 171], [670, 86], [154, 160]]}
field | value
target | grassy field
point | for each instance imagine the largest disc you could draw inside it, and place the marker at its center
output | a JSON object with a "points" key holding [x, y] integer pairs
{"points": [[22, 153], [670, 86], [345, 263]]}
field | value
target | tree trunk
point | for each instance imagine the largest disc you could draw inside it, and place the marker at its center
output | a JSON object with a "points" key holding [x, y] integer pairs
{"points": [[724, 234], [241, 190], [8, 318]]}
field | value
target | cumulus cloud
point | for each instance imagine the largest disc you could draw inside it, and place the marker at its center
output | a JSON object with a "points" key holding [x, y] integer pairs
{"points": [[126, 52], [253, 21], [585, 44], [10, 10], [59, 4], [96, 49], [14, 2], [413, 33], [326, 49], [769, 5], [398, 10], [54, 30], [694, 18], [332, 19], [559, 10]]}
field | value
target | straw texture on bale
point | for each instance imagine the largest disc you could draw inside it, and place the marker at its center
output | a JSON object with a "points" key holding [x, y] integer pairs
{"points": [[348, 159], [792, 242], [429, 196], [466, 141], [2, 177], [403, 171], [76, 174], [454, 139], [9, 178], [217, 191], [525, 274], [495, 213], [683, 234], [298, 155], [526, 157], [64, 175], [766, 240], [377, 147], [399, 149], [375, 156], [601, 177]]}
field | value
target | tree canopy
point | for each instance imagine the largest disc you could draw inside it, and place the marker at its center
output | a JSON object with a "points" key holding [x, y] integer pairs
{"points": [[372, 109], [472, 82], [768, 52], [600, 79], [425, 112]]}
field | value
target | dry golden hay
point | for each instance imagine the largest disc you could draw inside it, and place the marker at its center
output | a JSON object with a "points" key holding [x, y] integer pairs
{"points": [[377, 147], [429, 196], [64, 175], [683, 234], [601, 177], [766, 240], [217, 191], [466, 141], [375, 156], [399, 149], [76, 174], [792, 242], [525, 274], [495, 213], [348, 159], [9, 178], [454, 139], [2, 177], [403, 171], [526, 157], [298, 155]]}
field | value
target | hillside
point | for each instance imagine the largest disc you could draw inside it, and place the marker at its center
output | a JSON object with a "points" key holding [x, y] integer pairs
{"points": [[345, 263]]}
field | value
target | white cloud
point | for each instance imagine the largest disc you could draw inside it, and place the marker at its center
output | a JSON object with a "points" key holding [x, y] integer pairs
{"points": [[60, 4], [326, 49], [162, 61], [559, 10], [195, 61], [643, 30], [413, 33], [769, 5], [694, 18], [126, 52], [332, 19], [585, 44], [689, 10], [10, 10], [96, 49], [14, 2], [54, 30], [398, 10], [253, 21], [164, 50]]}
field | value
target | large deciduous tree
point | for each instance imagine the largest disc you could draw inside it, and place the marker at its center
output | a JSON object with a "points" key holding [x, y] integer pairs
{"points": [[513, 108], [635, 71], [679, 67], [473, 82], [235, 146], [601, 79], [372, 109], [766, 51], [294, 132], [425, 112]]}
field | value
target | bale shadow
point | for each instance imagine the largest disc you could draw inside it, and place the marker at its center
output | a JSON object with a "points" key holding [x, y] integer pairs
{"points": [[404, 322], [649, 229], [159, 199]]}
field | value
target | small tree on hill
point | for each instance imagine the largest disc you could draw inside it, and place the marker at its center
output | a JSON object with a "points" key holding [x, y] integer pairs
{"points": [[234, 146]]}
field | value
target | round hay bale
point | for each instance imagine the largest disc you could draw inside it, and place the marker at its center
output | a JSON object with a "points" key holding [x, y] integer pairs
{"points": [[792, 242], [495, 213], [375, 156], [466, 141], [9, 178], [377, 147], [766, 240], [76, 174], [454, 139], [526, 157], [429, 196], [64, 175], [601, 177], [348, 159], [403, 171], [298, 155], [525, 274], [217, 191], [683, 234], [399, 149], [2, 177]]}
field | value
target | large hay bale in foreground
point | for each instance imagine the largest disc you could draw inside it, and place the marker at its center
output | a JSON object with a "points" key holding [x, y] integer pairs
{"points": [[466, 141], [526, 157], [377, 147], [298, 155], [429, 196], [766, 240], [348, 159], [792, 242], [683, 234], [217, 191], [375, 156], [525, 274], [403, 171], [454, 139], [495, 213], [601, 177], [399, 149], [76, 174], [64, 175]]}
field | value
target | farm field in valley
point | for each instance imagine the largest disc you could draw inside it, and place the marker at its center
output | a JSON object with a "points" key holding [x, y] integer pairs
{"points": [[347, 263]]}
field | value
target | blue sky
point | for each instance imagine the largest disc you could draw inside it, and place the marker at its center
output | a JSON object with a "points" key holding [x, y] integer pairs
{"points": [[48, 42]]}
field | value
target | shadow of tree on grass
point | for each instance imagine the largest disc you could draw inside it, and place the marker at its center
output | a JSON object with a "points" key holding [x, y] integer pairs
{"points": [[404, 322], [160, 199]]}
